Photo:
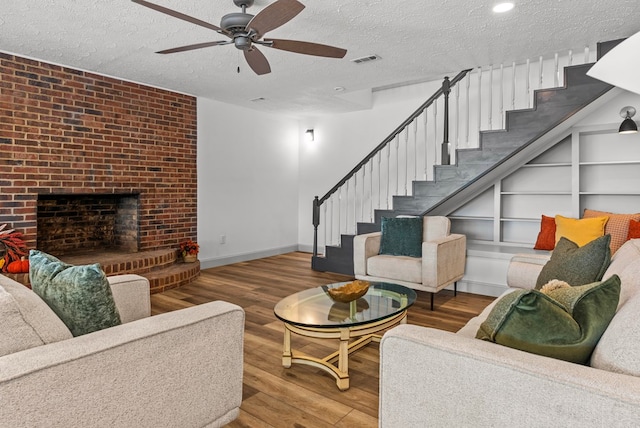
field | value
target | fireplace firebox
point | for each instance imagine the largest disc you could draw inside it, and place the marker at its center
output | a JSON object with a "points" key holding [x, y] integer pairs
{"points": [[77, 223]]}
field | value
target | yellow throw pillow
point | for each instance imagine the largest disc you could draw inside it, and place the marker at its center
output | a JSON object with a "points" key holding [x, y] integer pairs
{"points": [[580, 231]]}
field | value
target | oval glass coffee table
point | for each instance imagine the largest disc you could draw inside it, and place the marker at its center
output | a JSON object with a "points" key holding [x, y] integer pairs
{"points": [[312, 313]]}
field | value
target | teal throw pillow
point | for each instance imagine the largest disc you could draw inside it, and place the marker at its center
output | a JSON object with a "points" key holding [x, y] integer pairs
{"points": [[577, 265], [401, 236], [565, 323], [79, 295]]}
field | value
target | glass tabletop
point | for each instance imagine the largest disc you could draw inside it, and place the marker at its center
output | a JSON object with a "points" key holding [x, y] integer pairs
{"points": [[314, 307]]}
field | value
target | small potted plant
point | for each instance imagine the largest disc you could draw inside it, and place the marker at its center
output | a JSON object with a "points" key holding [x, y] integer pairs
{"points": [[189, 250]]}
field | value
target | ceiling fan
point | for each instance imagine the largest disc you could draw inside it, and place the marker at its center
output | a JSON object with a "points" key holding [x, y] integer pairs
{"points": [[246, 31]]}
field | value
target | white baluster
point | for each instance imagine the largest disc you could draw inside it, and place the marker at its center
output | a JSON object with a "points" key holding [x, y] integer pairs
{"points": [[379, 180], [325, 224], [540, 73], [501, 100], [556, 73], [426, 144], [527, 84], [513, 86], [479, 99], [364, 192], [331, 221], [468, 105], [355, 201], [370, 189], [388, 174], [570, 57], [346, 208], [435, 132], [339, 213], [586, 54], [456, 137], [490, 101], [406, 158], [415, 148], [397, 163]]}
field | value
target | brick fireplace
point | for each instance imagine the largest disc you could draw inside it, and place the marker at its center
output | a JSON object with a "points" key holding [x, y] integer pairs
{"points": [[74, 136]]}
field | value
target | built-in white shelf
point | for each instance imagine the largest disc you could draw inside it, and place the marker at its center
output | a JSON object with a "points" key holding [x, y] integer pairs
{"points": [[546, 165], [621, 162], [454, 217], [533, 192], [598, 170]]}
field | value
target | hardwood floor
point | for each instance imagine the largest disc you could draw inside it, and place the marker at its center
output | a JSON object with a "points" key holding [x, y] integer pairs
{"points": [[301, 396]]}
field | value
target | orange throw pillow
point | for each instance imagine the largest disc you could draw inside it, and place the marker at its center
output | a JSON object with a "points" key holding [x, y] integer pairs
{"points": [[634, 230], [547, 236], [617, 226]]}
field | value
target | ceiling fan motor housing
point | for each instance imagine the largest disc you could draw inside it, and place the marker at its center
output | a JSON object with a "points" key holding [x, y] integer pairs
{"points": [[235, 22]]}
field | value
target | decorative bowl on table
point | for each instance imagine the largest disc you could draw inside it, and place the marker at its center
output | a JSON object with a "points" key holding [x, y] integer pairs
{"points": [[349, 292]]}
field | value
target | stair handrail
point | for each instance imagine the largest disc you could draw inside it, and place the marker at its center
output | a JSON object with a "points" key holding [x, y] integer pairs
{"points": [[393, 134], [443, 90]]}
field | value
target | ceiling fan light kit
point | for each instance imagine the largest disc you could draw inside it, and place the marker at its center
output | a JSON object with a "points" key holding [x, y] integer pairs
{"points": [[246, 31]]}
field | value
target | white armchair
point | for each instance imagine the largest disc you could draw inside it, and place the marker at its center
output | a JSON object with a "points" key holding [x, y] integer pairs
{"points": [[442, 263]]}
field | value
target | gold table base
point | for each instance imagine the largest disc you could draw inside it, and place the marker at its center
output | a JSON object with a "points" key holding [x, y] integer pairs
{"points": [[366, 333]]}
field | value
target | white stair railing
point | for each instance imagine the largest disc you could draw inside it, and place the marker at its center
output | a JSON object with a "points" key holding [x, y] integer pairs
{"points": [[478, 101]]}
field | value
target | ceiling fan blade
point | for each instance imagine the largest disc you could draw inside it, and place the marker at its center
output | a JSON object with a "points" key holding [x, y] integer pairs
{"points": [[274, 15], [257, 61], [179, 15], [306, 48], [195, 46]]}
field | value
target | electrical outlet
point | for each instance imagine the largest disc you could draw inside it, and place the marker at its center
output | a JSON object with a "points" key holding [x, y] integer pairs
{"points": [[223, 239]]}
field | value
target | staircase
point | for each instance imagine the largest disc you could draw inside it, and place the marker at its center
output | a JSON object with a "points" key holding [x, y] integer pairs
{"points": [[528, 133]]}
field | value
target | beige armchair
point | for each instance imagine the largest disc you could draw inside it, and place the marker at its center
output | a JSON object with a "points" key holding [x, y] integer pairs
{"points": [[442, 262]]}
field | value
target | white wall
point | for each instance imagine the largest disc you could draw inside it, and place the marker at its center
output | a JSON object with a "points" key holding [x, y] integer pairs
{"points": [[343, 140], [610, 112], [247, 183]]}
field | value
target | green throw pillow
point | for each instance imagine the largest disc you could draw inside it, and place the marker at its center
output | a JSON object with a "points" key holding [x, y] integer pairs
{"points": [[566, 323], [79, 295], [401, 236], [577, 265]]}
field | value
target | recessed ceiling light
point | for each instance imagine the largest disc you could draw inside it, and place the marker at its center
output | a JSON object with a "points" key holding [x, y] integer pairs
{"points": [[503, 7]]}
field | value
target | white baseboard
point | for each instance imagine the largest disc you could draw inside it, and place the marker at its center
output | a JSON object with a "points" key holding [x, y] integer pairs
{"points": [[244, 257], [482, 288], [307, 248]]}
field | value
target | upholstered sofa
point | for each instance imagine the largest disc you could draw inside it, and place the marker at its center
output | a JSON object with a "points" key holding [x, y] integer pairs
{"points": [[430, 377], [178, 369]]}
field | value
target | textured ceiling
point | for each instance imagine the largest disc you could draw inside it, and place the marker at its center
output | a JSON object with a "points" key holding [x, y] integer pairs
{"points": [[417, 41]]}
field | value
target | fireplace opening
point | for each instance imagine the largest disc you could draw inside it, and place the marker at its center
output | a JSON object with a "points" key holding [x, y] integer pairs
{"points": [[79, 223]]}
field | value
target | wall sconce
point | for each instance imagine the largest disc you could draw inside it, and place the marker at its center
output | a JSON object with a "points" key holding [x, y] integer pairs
{"points": [[628, 126], [309, 136]]}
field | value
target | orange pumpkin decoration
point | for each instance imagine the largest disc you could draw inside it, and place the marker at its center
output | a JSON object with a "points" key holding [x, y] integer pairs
{"points": [[18, 266]]}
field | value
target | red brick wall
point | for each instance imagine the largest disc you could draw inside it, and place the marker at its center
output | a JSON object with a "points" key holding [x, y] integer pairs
{"points": [[67, 131]]}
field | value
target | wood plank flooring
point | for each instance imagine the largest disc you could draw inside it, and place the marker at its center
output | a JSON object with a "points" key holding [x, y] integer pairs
{"points": [[301, 396]]}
